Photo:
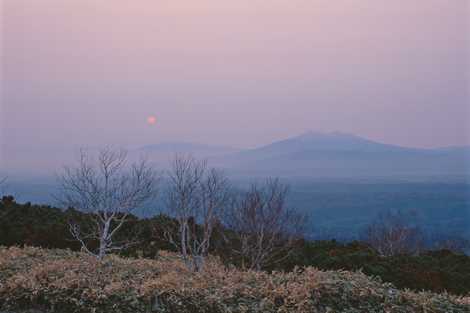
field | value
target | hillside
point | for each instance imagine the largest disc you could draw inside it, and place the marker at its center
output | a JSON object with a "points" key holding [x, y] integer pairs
{"points": [[64, 281], [341, 155]]}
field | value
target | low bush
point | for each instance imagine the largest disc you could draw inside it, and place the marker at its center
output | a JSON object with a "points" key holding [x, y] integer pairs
{"points": [[436, 271], [65, 281]]}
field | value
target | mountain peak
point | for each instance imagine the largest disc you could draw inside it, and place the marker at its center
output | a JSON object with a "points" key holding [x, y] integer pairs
{"points": [[315, 135], [326, 141]]}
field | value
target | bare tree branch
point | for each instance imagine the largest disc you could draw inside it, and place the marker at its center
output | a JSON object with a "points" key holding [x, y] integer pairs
{"points": [[393, 233], [3, 182], [4, 198], [196, 197], [265, 227], [109, 190]]}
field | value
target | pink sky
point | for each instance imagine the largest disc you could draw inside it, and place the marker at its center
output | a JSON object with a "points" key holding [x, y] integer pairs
{"points": [[240, 73]]}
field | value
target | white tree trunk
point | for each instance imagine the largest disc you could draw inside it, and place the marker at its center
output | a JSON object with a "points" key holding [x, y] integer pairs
{"points": [[104, 240]]}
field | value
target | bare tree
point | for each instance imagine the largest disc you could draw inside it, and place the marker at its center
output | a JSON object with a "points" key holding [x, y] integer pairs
{"points": [[393, 233], [455, 242], [109, 190], [5, 199], [3, 181], [196, 197], [265, 227]]}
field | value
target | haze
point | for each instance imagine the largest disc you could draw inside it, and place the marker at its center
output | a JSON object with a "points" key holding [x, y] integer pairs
{"points": [[236, 73]]}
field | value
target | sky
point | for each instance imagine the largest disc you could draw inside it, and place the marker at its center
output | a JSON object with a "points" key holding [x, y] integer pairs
{"points": [[237, 73]]}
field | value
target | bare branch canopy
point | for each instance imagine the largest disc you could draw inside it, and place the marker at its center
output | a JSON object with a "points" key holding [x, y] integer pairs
{"points": [[109, 189]]}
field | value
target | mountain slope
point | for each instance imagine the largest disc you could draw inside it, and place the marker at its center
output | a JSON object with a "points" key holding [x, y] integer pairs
{"points": [[344, 155]]}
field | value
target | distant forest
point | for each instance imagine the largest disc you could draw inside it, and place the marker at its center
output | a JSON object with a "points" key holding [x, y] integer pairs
{"points": [[338, 209]]}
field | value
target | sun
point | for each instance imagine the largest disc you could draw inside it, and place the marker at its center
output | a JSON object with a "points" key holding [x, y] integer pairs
{"points": [[151, 120]]}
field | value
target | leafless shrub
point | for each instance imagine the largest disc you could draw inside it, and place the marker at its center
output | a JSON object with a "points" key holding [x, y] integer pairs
{"points": [[3, 182], [4, 199], [197, 197], [393, 233], [456, 244], [109, 190], [266, 229]]}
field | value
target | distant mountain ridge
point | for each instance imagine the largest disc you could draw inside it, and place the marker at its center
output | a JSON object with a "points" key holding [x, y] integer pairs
{"points": [[337, 154], [162, 153], [186, 147], [334, 154], [316, 141]]}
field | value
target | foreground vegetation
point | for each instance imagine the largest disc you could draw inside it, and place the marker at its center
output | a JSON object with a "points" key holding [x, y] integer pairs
{"points": [[437, 271], [65, 281]]}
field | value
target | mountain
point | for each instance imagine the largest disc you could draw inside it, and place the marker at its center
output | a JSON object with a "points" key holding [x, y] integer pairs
{"points": [[337, 154], [163, 152]]}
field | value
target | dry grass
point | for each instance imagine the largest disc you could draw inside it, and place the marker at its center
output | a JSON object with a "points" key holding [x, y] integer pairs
{"points": [[64, 281]]}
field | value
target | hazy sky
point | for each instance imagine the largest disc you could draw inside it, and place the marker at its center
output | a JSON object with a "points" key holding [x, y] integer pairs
{"points": [[238, 72]]}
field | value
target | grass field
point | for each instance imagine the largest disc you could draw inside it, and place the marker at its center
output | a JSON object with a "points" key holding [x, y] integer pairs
{"points": [[63, 281]]}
